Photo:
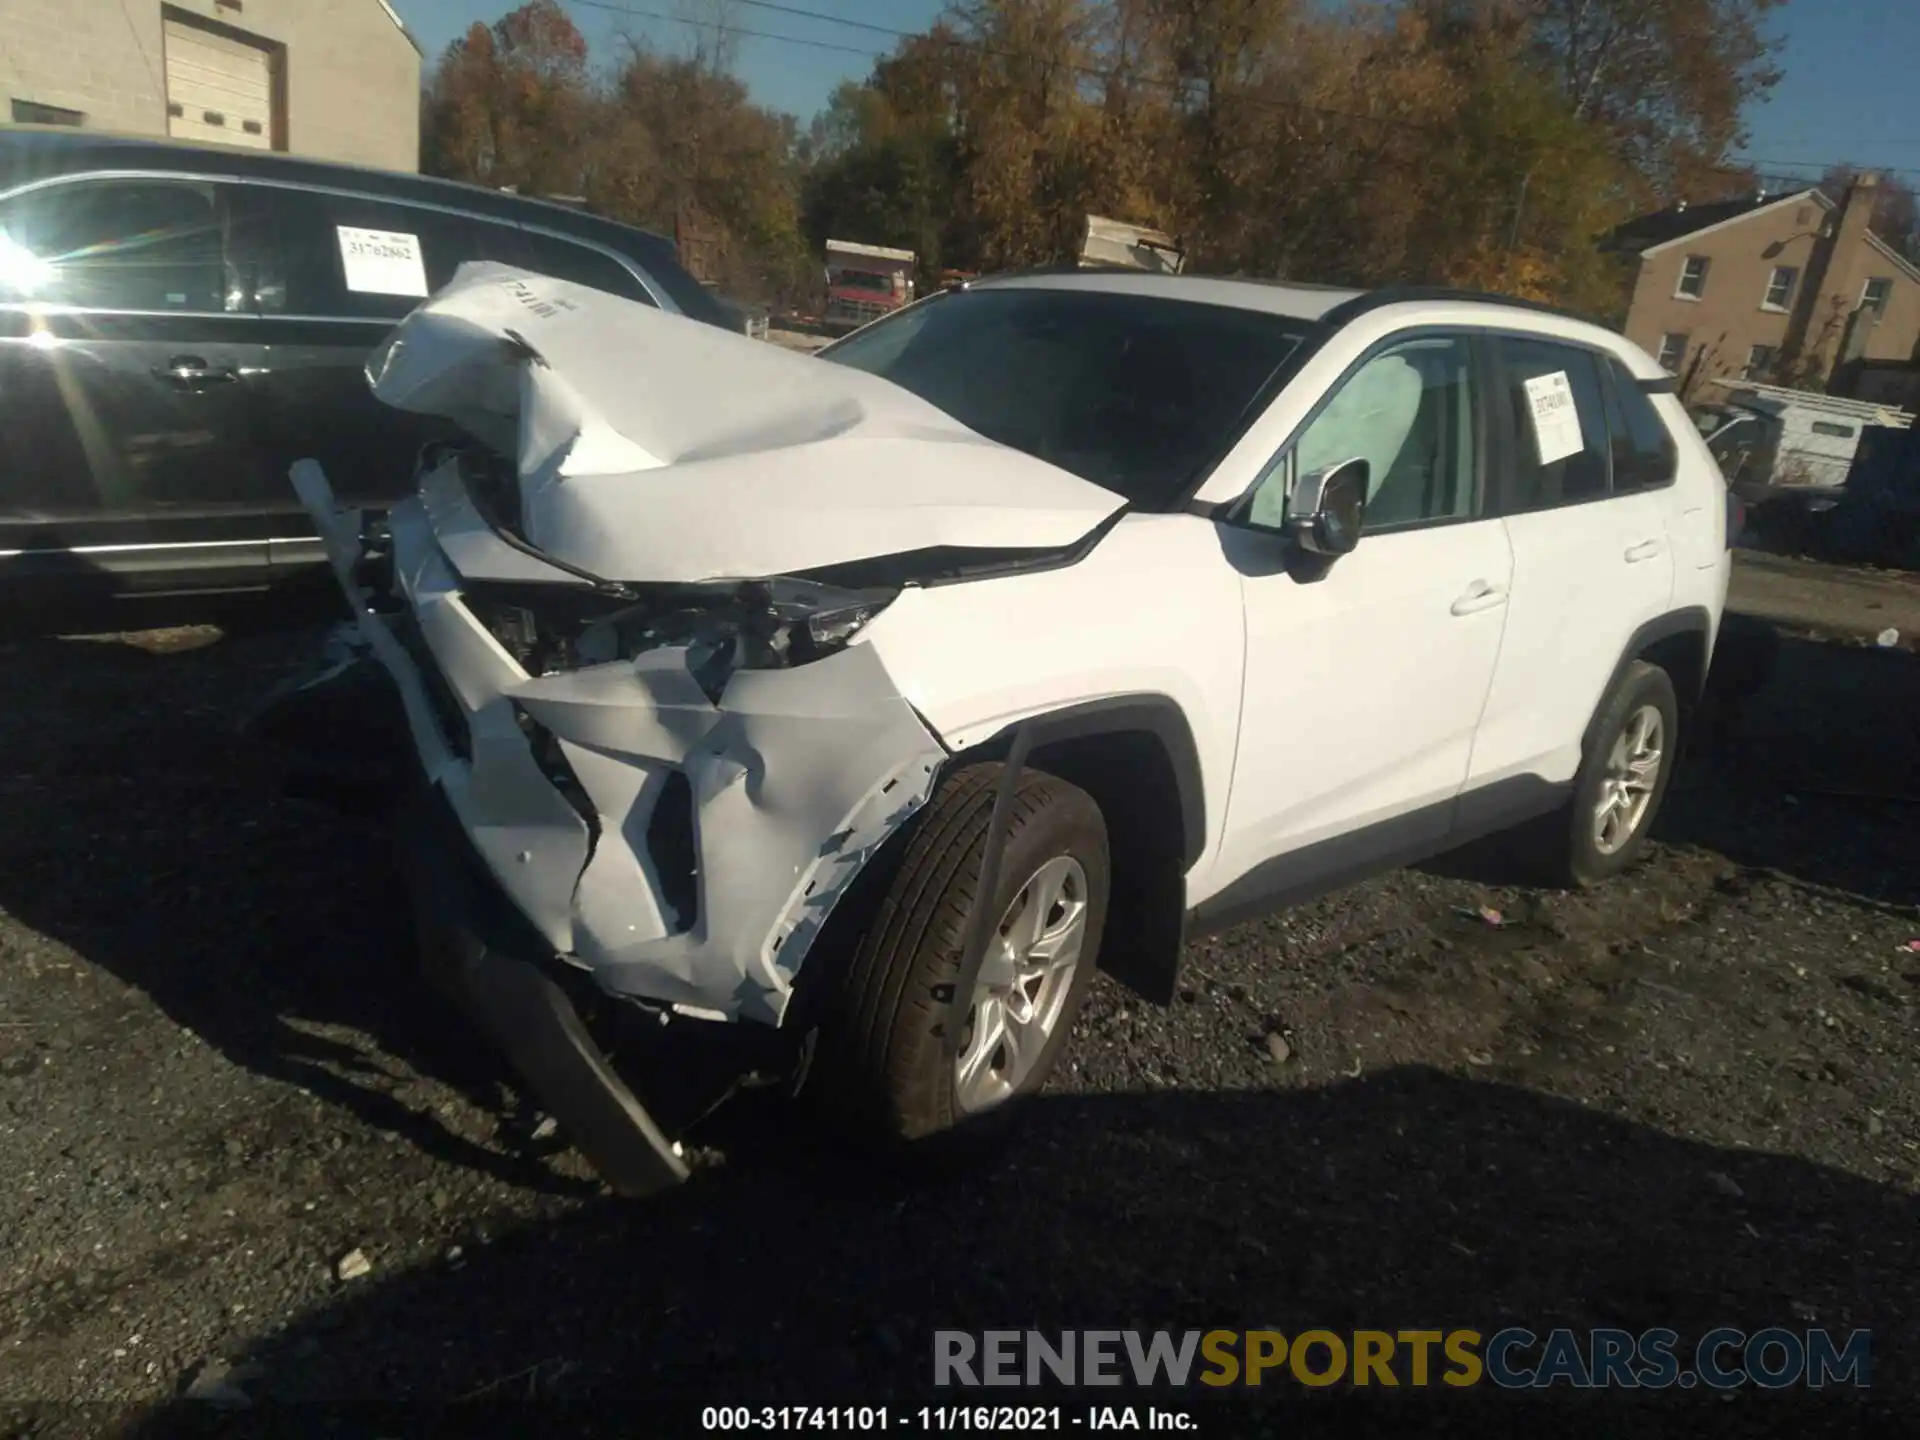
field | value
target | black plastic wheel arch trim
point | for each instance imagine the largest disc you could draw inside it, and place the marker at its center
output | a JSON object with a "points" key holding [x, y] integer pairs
{"points": [[1154, 714], [1693, 620]]}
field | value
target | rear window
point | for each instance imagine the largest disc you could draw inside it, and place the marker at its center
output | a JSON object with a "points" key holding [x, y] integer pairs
{"points": [[581, 264], [654, 255], [362, 257], [1135, 393], [1644, 454]]}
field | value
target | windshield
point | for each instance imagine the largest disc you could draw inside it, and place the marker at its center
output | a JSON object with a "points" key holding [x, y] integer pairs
{"points": [[863, 280], [1132, 392]]}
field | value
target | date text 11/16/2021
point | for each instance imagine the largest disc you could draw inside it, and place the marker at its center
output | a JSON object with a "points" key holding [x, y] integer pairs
{"points": [[945, 1419]]}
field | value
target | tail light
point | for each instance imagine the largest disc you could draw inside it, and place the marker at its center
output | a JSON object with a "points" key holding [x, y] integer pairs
{"points": [[1736, 518]]}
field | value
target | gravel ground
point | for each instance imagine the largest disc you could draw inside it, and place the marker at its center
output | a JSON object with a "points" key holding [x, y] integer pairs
{"points": [[1684, 1100]]}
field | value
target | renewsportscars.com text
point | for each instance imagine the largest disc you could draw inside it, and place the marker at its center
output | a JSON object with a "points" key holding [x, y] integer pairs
{"points": [[1511, 1358]]}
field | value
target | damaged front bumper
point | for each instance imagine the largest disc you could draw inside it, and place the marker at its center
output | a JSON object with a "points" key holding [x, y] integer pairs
{"points": [[681, 850]]}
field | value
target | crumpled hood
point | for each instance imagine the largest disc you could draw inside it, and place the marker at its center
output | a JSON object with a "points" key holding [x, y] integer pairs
{"points": [[654, 448]]}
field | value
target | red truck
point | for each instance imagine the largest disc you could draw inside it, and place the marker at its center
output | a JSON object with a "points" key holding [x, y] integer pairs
{"points": [[865, 282]]}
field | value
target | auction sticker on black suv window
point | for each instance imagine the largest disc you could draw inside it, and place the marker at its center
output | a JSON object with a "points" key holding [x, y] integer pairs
{"points": [[382, 262]]}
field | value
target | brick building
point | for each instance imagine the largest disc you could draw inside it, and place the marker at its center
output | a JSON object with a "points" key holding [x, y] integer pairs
{"points": [[1789, 288], [338, 80]]}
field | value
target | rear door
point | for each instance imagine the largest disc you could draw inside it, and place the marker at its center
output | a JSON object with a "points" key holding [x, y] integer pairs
{"points": [[332, 276], [129, 367], [1592, 563]]}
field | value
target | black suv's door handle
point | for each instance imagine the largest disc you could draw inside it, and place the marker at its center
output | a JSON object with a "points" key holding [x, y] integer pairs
{"points": [[190, 371]]}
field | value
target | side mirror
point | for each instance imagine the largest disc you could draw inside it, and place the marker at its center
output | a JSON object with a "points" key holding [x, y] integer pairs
{"points": [[1329, 506]]}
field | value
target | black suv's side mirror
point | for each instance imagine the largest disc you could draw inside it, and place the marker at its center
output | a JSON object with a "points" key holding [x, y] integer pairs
{"points": [[1329, 507]]}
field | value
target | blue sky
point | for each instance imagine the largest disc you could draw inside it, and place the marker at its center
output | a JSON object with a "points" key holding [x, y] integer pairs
{"points": [[1850, 93]]}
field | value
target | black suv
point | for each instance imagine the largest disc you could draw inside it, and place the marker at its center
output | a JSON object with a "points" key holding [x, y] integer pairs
{"points": [[179, 324]]}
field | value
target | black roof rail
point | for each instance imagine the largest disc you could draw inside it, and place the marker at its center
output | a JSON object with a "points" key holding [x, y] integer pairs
{"points": [[1401, 294]]}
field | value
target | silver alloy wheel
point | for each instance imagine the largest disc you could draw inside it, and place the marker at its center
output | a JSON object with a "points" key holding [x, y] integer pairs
{"points": [[1024, 983], [1626, 789]]}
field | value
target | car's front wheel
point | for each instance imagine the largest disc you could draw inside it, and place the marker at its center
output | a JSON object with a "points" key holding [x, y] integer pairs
{"points": [[893, 1054]]}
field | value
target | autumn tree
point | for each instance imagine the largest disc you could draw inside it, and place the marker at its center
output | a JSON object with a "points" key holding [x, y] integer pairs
{"points": [[676, 137], [511, 104], [1487, 143], [1666, 80], [883, 157]]}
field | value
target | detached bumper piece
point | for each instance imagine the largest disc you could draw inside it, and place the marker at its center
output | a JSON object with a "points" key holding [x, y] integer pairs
{"points": [[495, 967]]}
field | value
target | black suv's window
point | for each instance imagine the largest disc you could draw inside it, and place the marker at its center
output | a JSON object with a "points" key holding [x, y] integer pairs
{"points": [[568, 260], [133, 244], [364, 258], [1644, 454], [1557, 425], [1134, 393]]}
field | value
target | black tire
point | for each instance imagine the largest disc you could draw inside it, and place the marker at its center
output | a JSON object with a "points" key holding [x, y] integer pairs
{"points": [[880, 1068], [1569, 852]]}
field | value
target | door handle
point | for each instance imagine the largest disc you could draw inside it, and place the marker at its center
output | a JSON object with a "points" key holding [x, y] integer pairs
{"points": [[191, 370], [1479, 596], [1645, 550]]}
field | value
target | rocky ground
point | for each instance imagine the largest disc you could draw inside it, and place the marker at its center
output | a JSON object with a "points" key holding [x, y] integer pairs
{"points": [[259, 1181]]}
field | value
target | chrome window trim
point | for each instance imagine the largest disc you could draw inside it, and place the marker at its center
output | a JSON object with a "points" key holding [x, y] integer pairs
{"points": [[150, 545], [209, 177]]}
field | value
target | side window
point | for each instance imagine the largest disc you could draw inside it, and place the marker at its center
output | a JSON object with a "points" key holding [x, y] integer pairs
{"points": [[1408, 412], [134, 244], [1556, 425], [568, 260], [1645, 456], [359, 257]]}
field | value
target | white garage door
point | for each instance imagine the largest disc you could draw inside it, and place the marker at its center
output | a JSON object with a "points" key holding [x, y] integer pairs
{"points": [[217, 88]]}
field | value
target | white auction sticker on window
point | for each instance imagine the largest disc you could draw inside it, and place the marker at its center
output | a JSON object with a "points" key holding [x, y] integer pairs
{"points": [[382, 262], [1556, 419]]}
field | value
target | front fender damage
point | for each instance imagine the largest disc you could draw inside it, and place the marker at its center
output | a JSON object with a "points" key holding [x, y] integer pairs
{"points": [[796, 777], [682, 849]]}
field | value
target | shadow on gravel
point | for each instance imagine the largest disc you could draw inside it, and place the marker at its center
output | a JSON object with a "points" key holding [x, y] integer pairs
{"points": [[1818, 775], [137, 830], [1812, 772], [1406, 1200]]}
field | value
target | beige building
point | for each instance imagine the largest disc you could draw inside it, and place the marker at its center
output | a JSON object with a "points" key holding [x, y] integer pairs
{"points": [[1790, 288], [332, 79]]}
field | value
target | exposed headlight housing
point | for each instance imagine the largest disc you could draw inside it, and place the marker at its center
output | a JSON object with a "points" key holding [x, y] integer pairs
{"points": [[748, 625]]}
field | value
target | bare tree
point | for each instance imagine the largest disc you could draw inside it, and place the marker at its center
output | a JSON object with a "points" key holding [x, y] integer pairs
{"points": [[716, 32]]}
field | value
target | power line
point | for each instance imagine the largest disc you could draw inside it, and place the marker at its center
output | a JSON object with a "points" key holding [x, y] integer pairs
{"points": [[831, 19], [719, 28], [1105, 76], [1824, 165]]}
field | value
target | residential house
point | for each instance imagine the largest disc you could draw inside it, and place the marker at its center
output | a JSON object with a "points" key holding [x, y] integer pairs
{"points": [[336, 81], [1792, 288]]}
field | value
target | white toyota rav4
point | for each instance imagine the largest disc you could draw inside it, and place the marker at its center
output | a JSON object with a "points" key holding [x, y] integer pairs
{"points": [[881, 696]]}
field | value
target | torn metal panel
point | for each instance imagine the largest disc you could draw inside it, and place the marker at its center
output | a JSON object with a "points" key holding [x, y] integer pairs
{"points": [[633, 429], [795, 777]]}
